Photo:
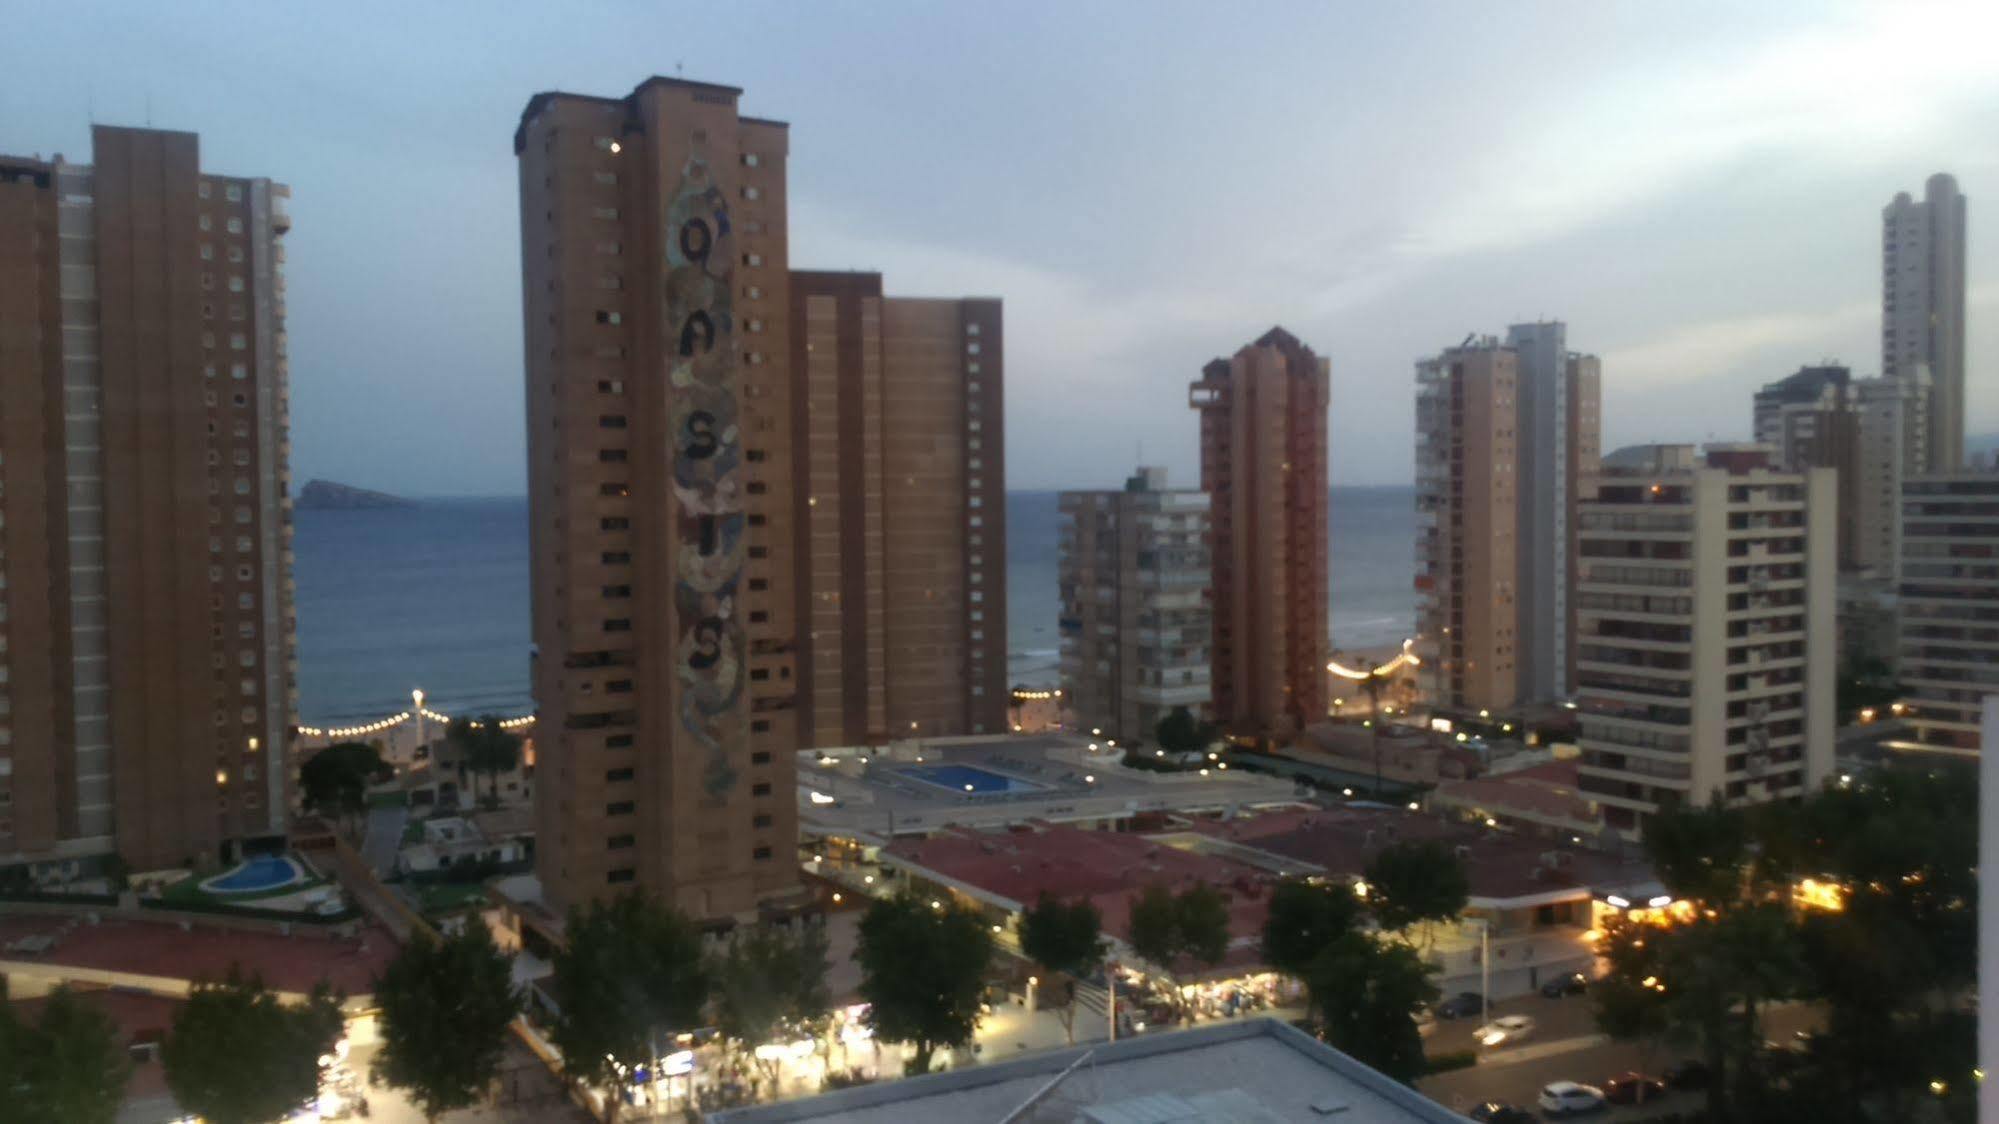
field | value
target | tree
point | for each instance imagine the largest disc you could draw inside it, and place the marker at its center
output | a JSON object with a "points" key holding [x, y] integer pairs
{"points": [[1194, 923], [1155, 926], [484, 746], [67, 1066], [1365, 992], [923, 973], [1304, 918], [237, 1054], [632, 969], [769, 977], [334, 782], [1203, 915], [1416, 882], [1066, 939], [1180, 732], [446, 1007]]}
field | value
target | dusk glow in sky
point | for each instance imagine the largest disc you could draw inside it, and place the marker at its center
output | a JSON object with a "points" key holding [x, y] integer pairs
{"points": [[1695, 188]]}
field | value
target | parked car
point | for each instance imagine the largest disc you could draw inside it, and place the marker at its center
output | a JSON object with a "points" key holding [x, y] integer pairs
{"points": [[1633, 1088], [1504, 1031], [1461, 1005], [1568, 1098], [1690, 1073], [1572, 983], [1496, 1112]]}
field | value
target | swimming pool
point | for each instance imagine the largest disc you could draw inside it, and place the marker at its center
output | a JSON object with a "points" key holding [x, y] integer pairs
{"points": [[265, 872], [969, 779]]}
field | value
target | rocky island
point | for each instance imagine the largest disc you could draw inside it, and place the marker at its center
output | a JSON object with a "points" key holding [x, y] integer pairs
{"points": [[325, 495]]}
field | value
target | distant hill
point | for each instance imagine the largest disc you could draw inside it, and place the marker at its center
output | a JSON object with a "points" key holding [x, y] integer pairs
{"points": [[325, 495]]}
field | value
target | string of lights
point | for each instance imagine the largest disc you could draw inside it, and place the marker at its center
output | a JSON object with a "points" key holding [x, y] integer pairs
{"points": [[394, 720], [1407, 656]]}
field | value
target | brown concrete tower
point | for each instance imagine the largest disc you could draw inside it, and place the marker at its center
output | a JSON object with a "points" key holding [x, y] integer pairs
{"points": [[654, 257], [147, 539], [1263, 465], [899, 499]]}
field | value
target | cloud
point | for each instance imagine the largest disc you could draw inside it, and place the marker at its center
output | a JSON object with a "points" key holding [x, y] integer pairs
{"points": [[1696, 352]]}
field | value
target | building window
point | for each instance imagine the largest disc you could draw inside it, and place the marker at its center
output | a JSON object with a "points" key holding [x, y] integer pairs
{"points": [[611, 456], [203, 189], [618, 624], [760, 757], [234, 193], [613, 776], [235, 226], [623, 874], [761, 819], [621, 842], [761, 854], [618, 741], [761, 788], [749, 159], [604, 317], [620, 808], [760, 726]]}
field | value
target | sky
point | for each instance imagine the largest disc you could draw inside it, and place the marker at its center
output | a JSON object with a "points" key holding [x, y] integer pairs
{"points": [[1695, 188]]}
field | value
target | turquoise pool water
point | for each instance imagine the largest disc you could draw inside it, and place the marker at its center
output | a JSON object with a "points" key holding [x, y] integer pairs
{"points": [[265, 872], [968, 779]]}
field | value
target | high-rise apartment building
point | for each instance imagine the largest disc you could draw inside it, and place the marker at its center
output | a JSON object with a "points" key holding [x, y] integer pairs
{"points": [[147, 677], [899, 499], [1892, 433], [1558, 445], [1263, 466], [1705, 596], [653, 248], [1922, 308], [1507, 439], [1135, 622], [1811, 419], [1949, 600], [1467, 517]]}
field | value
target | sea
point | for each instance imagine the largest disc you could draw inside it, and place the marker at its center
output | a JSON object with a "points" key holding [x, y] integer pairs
{"points": [[435, 596]]}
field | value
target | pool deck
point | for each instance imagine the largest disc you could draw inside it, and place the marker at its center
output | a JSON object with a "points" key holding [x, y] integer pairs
{"points": [[877, 800]]}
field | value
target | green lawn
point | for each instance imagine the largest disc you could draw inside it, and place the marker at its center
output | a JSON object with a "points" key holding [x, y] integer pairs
{"points": [[434, 899]]}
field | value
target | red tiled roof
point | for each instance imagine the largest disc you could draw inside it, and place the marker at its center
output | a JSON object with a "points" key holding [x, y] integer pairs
{"points": [[156, 948], [1341, 841], [1067, 862], [1546, 791]]}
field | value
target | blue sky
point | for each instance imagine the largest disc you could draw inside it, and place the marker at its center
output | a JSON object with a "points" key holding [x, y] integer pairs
{"points": [[1695, 188]]}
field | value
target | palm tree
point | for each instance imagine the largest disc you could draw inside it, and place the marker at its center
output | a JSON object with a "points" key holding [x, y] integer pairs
{"points": [[484, 747]]}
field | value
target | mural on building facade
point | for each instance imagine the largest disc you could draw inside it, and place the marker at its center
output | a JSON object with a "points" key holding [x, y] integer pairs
{"points": [[706, 458]]}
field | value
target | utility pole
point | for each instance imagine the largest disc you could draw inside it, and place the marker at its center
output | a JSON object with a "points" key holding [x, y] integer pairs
{"points": [[1373, 685]]}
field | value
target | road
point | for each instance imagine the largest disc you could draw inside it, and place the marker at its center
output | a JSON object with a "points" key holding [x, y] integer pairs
{"points": [[1565, 1046], [384, 837]]}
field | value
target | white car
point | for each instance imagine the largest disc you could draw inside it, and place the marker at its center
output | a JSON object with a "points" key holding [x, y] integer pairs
{"points": [[1505, 1030], [1565, 1097]]}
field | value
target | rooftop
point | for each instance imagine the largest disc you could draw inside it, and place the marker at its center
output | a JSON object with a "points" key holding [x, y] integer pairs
{"points": [[1253, 1071], [1502, 868], [1056, 778], [164, 949]]}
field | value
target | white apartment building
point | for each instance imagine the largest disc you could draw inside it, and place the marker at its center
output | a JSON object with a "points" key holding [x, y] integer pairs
{"points": [[1706, 649], [1136, 627]]}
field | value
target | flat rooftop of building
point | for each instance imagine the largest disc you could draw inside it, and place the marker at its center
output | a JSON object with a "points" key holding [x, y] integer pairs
{"points": [[147, 947], [1252, 1071], [1016, 778]]}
